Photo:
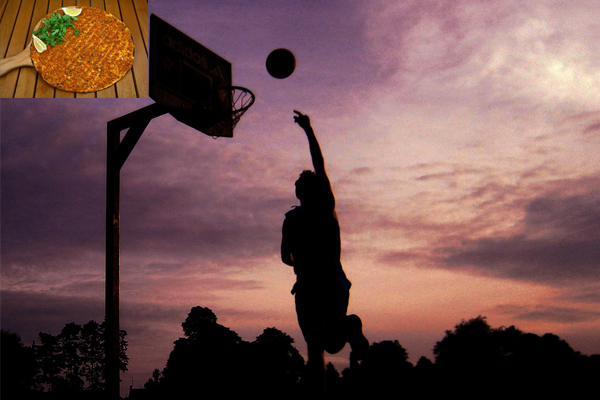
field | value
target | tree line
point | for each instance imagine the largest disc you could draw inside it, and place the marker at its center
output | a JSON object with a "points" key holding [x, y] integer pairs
{"points": [[211, 360], [472, 360], [67, 365]]}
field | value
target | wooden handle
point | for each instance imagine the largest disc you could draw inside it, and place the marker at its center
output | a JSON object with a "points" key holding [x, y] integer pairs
{"points": [[23, 59]]}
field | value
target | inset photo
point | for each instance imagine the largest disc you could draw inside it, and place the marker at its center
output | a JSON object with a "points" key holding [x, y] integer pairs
{"points": [[74, 49]]}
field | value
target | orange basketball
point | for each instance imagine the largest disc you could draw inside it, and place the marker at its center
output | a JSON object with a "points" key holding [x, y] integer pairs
{"points": [[281, 63]]}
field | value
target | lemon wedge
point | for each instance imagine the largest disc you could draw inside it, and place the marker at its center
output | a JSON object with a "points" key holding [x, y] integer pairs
{"points": [[39, 45], [72, 11]]}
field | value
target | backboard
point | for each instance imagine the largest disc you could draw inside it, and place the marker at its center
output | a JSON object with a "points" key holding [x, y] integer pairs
{"points": [[185, 77]]}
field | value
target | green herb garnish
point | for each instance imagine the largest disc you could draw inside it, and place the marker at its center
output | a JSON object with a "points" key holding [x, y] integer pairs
{"points": [[54, 29]]}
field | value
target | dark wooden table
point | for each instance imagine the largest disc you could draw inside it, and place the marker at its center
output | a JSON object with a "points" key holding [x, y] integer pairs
{"points": [[17, 20]]}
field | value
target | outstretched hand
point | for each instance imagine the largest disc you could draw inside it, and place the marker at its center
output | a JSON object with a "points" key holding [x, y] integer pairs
{"points": [[302, 120]]}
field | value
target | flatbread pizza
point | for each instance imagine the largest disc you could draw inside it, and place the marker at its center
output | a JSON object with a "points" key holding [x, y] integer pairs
{"points": [[94, 55]]}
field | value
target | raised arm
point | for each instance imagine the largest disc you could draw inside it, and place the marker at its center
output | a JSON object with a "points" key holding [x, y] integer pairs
{"points": [[315, 150], [317, 158]]}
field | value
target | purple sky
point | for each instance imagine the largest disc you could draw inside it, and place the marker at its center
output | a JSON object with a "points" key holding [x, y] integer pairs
{"points": [[462, 139]]}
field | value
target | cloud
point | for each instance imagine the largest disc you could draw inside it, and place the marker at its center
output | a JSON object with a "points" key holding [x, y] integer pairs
{"points": [[182, 199], [587, 122], [581, 294], [521, 258], [543, 313], [52, 180], [537, 229], [593, 128], [508, 55], [558, 242], [182, 195], [29, 313]]}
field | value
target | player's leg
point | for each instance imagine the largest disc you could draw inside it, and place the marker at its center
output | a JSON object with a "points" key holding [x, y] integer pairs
{"points": [[310, 318], [356, 338], [341, 328]]}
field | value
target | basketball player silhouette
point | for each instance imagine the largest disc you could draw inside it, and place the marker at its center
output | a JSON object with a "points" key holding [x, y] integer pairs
{"points": [[311, 244]]}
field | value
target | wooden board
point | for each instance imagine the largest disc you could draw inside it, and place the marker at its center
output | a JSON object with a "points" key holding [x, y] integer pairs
{"points": [[17, 22]]}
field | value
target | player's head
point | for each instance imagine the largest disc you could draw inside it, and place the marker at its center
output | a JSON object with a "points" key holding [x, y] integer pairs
{"points": [[306, 185]]}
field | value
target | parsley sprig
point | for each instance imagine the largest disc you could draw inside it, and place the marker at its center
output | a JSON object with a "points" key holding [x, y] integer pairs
{"points": [[54, 29]]}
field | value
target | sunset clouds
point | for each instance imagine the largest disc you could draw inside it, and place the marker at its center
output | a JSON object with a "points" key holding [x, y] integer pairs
{"points": [[462, 139]]}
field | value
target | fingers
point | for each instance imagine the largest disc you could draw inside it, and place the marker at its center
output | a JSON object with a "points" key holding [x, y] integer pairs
{"points": [[300, 117]]}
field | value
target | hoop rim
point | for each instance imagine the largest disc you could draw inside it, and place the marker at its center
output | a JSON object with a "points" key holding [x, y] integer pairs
{"points": [[218, 123], [243, 90]]}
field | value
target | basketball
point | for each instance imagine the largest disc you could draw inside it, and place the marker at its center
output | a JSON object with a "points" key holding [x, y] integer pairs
{"points": [[281, 63]]}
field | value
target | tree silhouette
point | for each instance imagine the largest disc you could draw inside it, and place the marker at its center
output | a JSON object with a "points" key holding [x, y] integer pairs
{"points": [[69, 341], [471, 360], [276, 363], [49, 364], [333, 379], [548, 362], [153, 384], [198, 320], [212, 360], [203, 362], [74, 357], [18, 366], [385, 368], [91, 351], [478, 356], [471, 346], [422, 375]]}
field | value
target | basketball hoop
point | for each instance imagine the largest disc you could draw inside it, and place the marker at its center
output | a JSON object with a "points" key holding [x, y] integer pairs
{"points": [[193, 83], [235, 100], [217, 118]]}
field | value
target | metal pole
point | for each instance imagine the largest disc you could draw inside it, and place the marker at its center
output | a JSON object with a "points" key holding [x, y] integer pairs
{"points": [[117, 153], [112, 264]]}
